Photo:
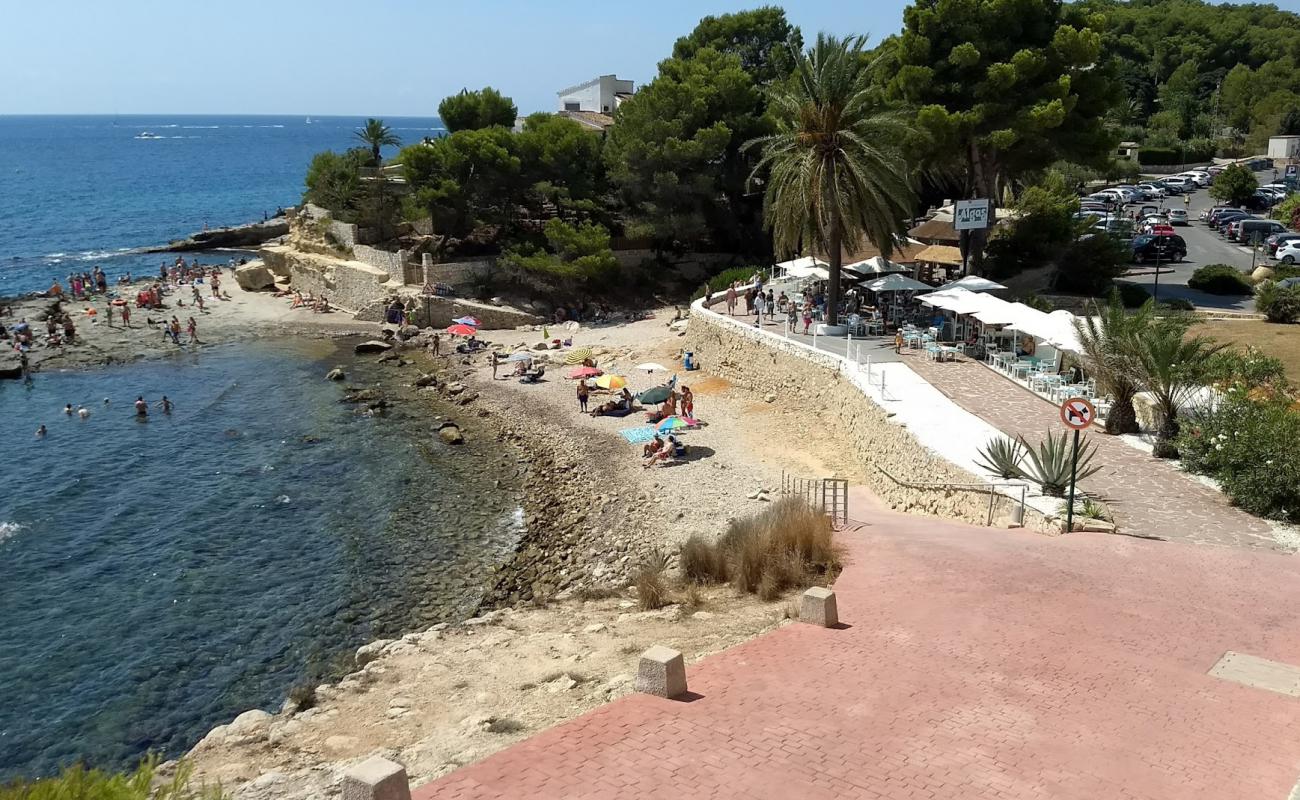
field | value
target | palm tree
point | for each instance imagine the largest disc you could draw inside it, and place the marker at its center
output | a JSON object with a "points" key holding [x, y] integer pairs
{"points": [[1104, 333], [377, 135], [1169, 364], [833, 171]]}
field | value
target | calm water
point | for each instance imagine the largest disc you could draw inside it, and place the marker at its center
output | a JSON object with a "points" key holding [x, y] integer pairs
{"points": [[158, 578], [80, 191]]}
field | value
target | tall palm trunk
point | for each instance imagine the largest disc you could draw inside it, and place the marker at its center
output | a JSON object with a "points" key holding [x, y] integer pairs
{"points": [[1122, 417], [834, 259]]}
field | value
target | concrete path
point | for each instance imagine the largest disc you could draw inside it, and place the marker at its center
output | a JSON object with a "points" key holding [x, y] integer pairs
{"points": [[1148, 496], [974, 663]]}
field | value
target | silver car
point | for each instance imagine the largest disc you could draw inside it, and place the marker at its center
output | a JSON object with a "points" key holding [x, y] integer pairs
{"points": [[1177, 216]]}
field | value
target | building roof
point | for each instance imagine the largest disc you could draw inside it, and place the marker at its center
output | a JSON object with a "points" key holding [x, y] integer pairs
{"points": [[579, 86], [940, 254], [935, 231], [591, 119], [904, 252]]}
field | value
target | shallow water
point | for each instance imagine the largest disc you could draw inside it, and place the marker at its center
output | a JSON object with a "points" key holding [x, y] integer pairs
{"points": [[158, 578]]}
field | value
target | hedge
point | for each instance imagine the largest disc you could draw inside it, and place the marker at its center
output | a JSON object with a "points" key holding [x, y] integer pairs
{"points": [[1161, 156], [1219, 279]]}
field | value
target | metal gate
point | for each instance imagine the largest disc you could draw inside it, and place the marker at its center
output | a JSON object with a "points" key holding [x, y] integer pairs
{"points": [[830, 496]]}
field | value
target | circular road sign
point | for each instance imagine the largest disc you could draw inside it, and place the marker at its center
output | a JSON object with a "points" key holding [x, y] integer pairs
{"points": [[1078, 413]]}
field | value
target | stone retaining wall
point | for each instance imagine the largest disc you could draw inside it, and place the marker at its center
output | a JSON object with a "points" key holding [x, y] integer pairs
{"points": [[350, 285], [816, 381]]}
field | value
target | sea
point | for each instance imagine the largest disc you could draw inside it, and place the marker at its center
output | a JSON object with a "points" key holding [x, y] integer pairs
{"points": [[159, 577], [80, 191]]}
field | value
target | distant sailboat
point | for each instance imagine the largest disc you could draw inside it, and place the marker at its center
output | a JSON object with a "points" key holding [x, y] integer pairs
{"points": [[309, 120]]}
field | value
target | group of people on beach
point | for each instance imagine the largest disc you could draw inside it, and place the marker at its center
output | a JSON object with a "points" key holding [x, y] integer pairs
{"points": [[141, 407]]}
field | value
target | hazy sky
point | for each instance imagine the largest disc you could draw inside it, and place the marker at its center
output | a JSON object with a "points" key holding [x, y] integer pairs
{"points": [[380, 57]]}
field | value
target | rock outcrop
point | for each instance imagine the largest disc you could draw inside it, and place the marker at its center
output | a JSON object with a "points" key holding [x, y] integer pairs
{"points": [[253, 234], [11, 365]]}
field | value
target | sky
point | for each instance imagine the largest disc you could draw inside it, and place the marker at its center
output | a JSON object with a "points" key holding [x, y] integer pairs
{"points": [[373, 58]]}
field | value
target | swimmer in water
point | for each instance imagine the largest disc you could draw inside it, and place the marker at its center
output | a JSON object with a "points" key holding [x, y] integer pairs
{"points": [[82, 412], [141, 407], [68, 409], [105, 401], [165, 405], [40, 432]]}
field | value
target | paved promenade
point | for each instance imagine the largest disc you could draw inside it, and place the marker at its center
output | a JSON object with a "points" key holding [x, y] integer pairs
{"points": [[975, 663], [1148, 496]]}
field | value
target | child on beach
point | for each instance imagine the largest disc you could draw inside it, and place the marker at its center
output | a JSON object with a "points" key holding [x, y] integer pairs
{"points": [[688, 402], [583, 393]]}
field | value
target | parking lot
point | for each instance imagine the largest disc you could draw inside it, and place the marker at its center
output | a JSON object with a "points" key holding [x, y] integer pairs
{"points": [[1203, 247]]}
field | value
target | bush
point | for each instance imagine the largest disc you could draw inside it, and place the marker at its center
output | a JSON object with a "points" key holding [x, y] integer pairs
{"points": [[788, 546], [1219, 279], [1091, 264], [1132, 295], [1177, 304], [725, 278], [78, 783], [1250, 369], [1250, 443], [651, 593], [1278, 303], [1196, 150]]}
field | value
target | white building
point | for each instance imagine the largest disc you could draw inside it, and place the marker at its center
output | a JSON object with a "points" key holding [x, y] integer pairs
{"points": [[600, 95], [1284, 147]]}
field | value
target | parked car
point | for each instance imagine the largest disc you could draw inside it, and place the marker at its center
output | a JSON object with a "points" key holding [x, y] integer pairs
{"points": [[1153, 191], [1101, 208], [1278, 239], [1208, 214], [1147, 211], [1177, 216], [1289, 252], [1159, 247], [1229, 231], [1221, 221], [1107, 200], [1250, 231], [1199, 177], [1179, 185]]}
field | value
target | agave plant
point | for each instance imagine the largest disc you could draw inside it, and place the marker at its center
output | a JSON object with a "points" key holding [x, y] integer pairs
{"points": [[1049, 464], [1002, 456], [1088, 509]]}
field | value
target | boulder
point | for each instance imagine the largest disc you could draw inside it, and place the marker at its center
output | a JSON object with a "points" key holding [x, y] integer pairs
{"points": [[1262, 274], [426, 380], [254, 278], [367, 653], [451, 434], [335, 374], [11, 365], [372, 346], [455, 387], [249, 722]]}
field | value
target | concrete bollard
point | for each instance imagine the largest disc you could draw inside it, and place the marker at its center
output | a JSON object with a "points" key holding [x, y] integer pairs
{"points": [[376, 779], [662, 672], [818, 608]]}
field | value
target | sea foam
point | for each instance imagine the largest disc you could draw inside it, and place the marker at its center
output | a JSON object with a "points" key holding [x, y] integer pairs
{"points": [[8, 529]]}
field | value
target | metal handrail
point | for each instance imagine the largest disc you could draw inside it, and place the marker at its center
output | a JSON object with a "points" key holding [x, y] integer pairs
{"points": [[991, 488]]}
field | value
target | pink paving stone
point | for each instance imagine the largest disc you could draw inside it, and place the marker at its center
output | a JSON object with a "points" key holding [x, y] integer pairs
{"points": [[1148, 496], [976, 663]]}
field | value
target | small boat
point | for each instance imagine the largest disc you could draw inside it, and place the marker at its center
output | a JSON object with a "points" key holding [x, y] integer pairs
{"points": [[147, 135], [309, 120]]}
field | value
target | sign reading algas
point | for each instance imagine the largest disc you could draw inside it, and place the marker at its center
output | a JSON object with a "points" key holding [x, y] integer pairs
{"points": [[971, 215]]}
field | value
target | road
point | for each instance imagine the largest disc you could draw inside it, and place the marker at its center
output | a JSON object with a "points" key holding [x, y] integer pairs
{"points": [[1203, 247]]}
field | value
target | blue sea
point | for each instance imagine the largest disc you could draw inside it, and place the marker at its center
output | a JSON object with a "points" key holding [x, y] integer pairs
{"points": [[158, 578], [80, 191]]}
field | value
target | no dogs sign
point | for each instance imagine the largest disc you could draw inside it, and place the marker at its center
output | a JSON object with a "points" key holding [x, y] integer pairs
{"points": [[1077, 413]]}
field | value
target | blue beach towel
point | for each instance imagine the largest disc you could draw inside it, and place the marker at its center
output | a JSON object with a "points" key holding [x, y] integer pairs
{"points": [[638, 435]]}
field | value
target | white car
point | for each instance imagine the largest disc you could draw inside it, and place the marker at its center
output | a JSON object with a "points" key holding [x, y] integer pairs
{"points": [[1177, 216], [1288, 252], [1153, 191], [1201, 177]]}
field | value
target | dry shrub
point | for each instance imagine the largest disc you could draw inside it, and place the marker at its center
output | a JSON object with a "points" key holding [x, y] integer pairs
{"points": [[691, 598], [598, 592], [702, 561], [787, 546], [651, 592]]}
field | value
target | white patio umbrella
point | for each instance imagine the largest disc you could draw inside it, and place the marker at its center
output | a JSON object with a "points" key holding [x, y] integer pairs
{"points": [[876, 265], [972, 283], [650, 366], [896, 283]]}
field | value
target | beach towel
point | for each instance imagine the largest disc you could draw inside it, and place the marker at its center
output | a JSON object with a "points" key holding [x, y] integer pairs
{"points": [[638, 435]]}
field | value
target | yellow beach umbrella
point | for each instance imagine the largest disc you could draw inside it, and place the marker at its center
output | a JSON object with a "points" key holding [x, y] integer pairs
{"points": [[612, 382], [578, 356]]}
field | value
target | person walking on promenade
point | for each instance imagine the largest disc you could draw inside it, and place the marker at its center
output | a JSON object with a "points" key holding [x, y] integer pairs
{"points": [[760, 305], [898, 341], [731, 299]]}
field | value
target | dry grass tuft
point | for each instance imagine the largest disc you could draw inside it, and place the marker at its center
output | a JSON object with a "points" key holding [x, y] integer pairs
{"points": [[504, 725], [598, 592], [787, 546], [651, 591]]}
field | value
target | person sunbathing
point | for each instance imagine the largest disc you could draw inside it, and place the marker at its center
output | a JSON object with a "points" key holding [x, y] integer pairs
{"points": [[671, 449], [652, 447]]}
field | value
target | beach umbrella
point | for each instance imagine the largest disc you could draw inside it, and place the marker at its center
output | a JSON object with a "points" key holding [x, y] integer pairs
{"points": [[461, 330], [655, 395], [467, 321], [972, 283], [650, 366], [584, 372], [675, 423], [895, 283], [578, 356], [611, 382], [520, 356]]}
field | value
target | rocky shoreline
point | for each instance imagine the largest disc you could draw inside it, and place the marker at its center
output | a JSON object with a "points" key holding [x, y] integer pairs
{"points": [[251, 234]]}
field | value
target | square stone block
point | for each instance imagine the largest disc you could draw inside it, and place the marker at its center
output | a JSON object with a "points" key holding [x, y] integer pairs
{"points": [[662, 672], [818, 608], [376, 779]]}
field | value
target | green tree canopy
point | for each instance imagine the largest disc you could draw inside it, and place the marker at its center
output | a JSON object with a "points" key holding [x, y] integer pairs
{"points": [[561, 160], [483, 108], [674, 154], [464, 179], [1234, 185], [832, 171], [763, 40], [576, 256], [334, 180]]}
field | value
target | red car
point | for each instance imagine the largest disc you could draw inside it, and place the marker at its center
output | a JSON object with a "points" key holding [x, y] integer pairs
{"points": [[1162, 230]]}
